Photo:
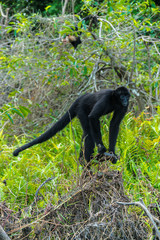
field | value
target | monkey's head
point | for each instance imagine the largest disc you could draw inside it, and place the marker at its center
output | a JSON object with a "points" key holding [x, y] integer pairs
{"points": [[122, 95], [75, 41]]}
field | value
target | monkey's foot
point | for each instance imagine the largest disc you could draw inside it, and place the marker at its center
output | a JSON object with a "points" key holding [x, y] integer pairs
{"points": [[112, 157]]}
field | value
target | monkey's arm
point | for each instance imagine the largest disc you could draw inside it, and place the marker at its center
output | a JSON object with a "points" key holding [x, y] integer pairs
{"points": [[114, 129]]}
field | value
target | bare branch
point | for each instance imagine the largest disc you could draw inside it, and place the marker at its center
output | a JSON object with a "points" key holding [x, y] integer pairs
{"points": [[3, 234], [142, 205], [64, 7], [49, 179], [4, 15], [134, 56], [93, 75], [104, 20], [156, 48], [100, 30]]}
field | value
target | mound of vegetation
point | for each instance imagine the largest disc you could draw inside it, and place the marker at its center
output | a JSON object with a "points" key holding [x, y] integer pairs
{"points": [[91, 211]]}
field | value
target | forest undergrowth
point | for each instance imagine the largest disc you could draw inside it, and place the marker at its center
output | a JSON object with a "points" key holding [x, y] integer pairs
{"points": [[45, 193], [24, 211]]}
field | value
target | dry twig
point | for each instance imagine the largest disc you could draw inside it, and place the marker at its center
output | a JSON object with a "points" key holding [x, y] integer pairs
{"points": [[3, 234], [142, 205], [36, 194]]}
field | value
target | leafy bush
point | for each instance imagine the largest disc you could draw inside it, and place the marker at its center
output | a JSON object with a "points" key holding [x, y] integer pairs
{"points": [[139, 147]]}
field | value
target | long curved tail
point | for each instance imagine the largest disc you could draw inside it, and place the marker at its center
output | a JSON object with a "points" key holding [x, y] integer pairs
{"points": [[58, 126]]}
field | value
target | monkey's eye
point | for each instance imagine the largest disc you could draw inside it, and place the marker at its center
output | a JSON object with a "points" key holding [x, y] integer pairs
{"points": [[122, 97]]}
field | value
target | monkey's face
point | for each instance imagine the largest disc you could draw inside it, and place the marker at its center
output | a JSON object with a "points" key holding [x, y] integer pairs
{"points": [[122, 96], [124, 100]]}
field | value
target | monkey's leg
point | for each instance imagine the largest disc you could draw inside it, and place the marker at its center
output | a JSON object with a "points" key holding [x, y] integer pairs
{"points": [[96, 133], [89, 143], [88, 147]]}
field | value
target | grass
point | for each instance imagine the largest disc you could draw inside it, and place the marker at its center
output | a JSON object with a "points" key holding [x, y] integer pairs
{"points": [[138, 146]]}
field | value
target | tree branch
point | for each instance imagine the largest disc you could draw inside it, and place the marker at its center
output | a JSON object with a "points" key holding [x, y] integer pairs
{"points": [[142, 205], [3, 234], [104, 20], [64, 7], [36, 194], [3, 15]]}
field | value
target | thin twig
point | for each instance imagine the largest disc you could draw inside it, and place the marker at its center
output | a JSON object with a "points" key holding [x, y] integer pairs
{"points": [[36, 194], [93, 75], [92, 53], [100, 30], [134, 56], [49, 179]]}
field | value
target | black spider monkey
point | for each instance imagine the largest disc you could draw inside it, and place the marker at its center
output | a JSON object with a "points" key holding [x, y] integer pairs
{"points": [[89, 108], [75, 40]]}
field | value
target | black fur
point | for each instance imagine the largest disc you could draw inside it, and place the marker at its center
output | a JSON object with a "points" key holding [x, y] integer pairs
{"points": [[89, 108]]}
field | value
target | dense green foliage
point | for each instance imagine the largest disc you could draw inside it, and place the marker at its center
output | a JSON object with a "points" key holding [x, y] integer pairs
{"points": [[41, 76], [55, 7], [46, 7]]}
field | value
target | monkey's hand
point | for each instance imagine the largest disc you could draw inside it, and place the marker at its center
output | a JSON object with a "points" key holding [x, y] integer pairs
{"points": [[112, 156], [101, 149]]}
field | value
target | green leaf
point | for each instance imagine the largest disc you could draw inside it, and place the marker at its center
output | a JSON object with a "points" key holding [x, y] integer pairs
{"points": [[24, 110], [85, 70], [10, 118], [48, 7], [156, 84], [14, 110]]}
